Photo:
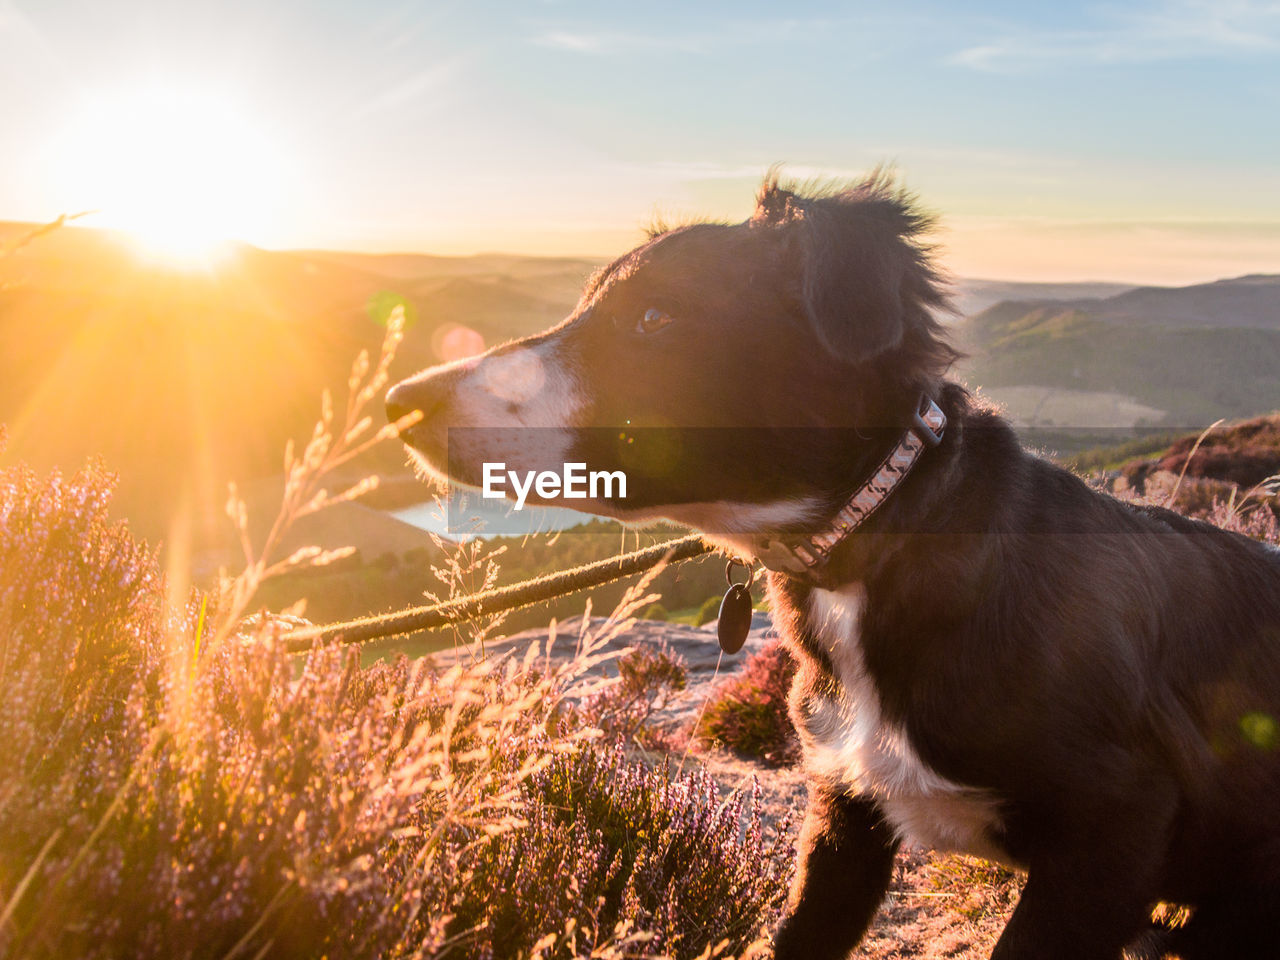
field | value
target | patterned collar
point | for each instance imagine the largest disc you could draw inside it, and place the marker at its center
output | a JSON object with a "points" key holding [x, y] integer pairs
{"points": [[803, 555]]}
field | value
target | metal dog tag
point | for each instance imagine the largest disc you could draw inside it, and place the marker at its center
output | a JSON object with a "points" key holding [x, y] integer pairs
{"points": [[735, 618]]}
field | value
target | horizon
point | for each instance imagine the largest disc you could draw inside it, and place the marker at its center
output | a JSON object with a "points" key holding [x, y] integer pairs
{"points": [[182, 265], [1082, 143]]}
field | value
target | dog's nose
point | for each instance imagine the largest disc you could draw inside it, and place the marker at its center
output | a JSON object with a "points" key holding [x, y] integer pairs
{"points": [[427, 394], [399, 404]]}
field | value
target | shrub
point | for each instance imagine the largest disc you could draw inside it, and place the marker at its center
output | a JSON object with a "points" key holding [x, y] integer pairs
{"points": [[1262, 522], [748, 712], [1241, 453], [647, 677], [655, 611], [159, 799], [710, 610], [174, 784], [611, 842], [80, 666], [166, 795]]}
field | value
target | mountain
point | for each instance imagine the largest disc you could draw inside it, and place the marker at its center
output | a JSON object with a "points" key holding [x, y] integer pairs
{"points": [[1175, 356], [1250, 302]]}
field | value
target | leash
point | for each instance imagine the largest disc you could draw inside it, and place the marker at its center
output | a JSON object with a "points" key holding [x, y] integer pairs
{"points": [[498, 599]]}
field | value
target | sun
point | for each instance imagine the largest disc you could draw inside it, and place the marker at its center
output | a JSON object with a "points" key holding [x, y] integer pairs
{"points": [[182, 171]]}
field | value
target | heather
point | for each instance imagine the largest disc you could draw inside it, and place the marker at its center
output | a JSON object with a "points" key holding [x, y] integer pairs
{"points": [[174, 784], [614, 845], [748, 712], [647, 680], [160, 799], [1245, 453]]}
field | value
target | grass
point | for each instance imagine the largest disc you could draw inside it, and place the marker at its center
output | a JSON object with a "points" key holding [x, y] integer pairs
{"points": [[173, 784], [978, 889]]}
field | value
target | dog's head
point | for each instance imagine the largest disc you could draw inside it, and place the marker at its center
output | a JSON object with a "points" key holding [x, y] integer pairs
{"points": [[710, 364]]}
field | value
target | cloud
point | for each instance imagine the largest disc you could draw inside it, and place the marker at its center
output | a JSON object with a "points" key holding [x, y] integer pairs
{"points": [[407, 90], [718, 36], [602, 43], [574, 42], [704, 171], [1170, 30], [1010, 165]]}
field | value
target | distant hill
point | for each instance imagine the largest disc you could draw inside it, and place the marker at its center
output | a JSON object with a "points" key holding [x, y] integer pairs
{"points": [[972, 296], [1177, 356], [1250, 302]]}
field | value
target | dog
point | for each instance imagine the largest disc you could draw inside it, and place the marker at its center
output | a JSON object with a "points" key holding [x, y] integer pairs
{"points": [[992, 657]]}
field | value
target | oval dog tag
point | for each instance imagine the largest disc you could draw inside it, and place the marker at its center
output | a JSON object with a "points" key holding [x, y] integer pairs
{"points": [[735, 618]]}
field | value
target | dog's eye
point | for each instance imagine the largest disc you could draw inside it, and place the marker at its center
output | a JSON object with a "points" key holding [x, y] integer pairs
{"points": [[652, 321]]}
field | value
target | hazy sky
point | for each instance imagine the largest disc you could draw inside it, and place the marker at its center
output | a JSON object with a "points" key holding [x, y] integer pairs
{"points": [[1136, 141]]}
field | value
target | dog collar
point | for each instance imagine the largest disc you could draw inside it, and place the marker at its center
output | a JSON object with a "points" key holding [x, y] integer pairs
{"points": [[803, 555]]}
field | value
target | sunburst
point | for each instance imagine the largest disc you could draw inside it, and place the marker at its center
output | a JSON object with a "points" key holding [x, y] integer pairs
{"points": [[182, 171]]}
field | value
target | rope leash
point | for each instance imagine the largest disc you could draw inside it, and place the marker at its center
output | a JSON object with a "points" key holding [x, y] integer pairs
{"points": [[476, 605]]}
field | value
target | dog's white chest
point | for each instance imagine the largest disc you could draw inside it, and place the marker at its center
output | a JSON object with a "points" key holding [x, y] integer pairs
{"points": [[850, 743]]}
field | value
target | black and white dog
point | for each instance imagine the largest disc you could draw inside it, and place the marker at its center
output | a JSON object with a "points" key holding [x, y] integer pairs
{"points": [[992, 657]]}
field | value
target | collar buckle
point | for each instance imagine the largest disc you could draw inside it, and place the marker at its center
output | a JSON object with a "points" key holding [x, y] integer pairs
{"points": [[928, 422]]}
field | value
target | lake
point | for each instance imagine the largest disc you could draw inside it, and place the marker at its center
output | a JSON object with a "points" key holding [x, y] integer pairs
{"points": [[464, 516]]}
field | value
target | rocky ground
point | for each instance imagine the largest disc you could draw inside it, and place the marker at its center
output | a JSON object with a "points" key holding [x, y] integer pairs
{"points": [[938, 905]]}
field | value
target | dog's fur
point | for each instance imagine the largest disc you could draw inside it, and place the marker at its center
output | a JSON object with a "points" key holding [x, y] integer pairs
{"points": [[1001, 661]]}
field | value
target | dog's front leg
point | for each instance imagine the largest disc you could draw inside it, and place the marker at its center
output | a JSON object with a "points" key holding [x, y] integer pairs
{"points": [[1092, 892], [843, 866], [1054, 921]]}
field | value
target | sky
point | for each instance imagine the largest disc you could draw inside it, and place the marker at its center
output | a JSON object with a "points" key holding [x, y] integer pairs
{"points": [[1056, 141]]}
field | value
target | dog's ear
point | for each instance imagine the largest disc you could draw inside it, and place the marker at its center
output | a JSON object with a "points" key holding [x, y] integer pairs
{"points": [[853, 270], [853, 262]]}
